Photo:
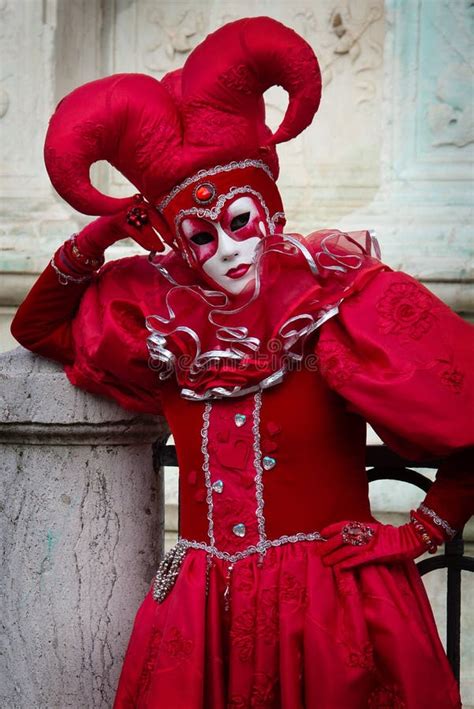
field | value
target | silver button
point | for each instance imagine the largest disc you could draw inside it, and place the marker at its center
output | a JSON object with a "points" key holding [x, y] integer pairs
{"points": [[218, 486], [240, 419], [268, 462], [239, 530]]}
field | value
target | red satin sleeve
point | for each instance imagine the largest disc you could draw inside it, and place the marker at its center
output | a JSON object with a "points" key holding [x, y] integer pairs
{"points": [[96, 330], [403, 360], [43, 322]]}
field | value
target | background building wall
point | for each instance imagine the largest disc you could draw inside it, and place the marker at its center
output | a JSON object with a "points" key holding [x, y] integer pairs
{"points": [[390, 149]]}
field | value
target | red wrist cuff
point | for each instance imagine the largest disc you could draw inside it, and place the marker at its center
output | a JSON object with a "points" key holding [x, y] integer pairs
{"points": [[77, 260], [438, 526], [72, 267], [423, 534]]}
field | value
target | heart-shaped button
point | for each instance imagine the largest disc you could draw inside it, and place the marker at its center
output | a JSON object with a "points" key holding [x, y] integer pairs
{"points": [[268, 462], [218, 486], [239, 530]]}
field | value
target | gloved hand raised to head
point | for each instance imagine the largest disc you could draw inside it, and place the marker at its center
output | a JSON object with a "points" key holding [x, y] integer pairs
{"points": [[350, 544], [84, 252]]}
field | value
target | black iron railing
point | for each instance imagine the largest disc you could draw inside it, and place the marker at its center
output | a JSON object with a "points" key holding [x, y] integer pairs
{"points": [[384, 464]]}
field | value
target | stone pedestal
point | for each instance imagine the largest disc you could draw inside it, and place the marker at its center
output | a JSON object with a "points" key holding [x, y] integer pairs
{"points": [[81, 523]]}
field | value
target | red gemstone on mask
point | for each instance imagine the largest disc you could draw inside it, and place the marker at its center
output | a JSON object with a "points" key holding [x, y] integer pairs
{"points": [[204, 193]]}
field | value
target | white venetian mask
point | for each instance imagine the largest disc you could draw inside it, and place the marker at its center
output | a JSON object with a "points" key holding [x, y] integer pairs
{"points": [[224, 249]]}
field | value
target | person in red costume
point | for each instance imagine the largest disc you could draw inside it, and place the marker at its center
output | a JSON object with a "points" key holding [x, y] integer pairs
{"points": [[267, 352]]}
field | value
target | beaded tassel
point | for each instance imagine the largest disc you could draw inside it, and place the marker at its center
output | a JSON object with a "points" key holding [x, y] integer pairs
{"points": [[168, 571], [227, 587], [209, 564]]}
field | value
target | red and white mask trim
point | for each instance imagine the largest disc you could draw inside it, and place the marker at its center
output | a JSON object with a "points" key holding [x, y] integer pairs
{"points": [[219, 233], [224, 248]]}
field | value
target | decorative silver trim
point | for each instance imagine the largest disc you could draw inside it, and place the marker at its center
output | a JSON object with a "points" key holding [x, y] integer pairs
{"points": [[168, 572], [262, 537], [343, 263], [206, 470], [305, 251], [278, 216], [254, 549], [293, 336], [214, 212], [238, 341], [438, 520], [64, 278], [171, 563], [161, 269], [234, 165], [223, 393]]}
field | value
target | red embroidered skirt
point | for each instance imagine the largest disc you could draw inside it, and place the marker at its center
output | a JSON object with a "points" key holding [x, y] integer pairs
{"points": [[295, 635]]}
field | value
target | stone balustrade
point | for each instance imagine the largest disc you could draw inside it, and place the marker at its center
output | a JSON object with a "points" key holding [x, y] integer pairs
{"points": [[81, 523]]}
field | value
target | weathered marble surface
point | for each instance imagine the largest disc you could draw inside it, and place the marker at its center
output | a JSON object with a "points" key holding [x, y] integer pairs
{"points": [[81, 528], [390, 149]]}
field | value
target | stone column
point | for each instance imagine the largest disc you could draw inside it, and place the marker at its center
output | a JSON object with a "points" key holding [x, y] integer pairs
{"points": [[81, 523]]}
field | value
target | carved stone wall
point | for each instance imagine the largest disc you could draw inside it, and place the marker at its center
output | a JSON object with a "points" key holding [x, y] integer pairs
{"points": [[391, 147]]}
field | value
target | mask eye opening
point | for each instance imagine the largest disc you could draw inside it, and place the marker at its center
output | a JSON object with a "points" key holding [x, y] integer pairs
{"points": [[239, 221], [201, 238]]}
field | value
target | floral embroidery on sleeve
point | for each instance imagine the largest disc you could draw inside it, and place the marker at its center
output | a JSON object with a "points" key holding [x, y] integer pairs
{"points": [[336, 362], [452, 377], [406, 309]]}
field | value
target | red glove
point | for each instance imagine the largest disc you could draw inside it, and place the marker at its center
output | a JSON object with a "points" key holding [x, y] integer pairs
{"points": [[351, 544], [43, 322], [85, 251]]}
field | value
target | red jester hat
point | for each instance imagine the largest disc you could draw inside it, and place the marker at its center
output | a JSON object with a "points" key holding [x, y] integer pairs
{"points": [[195, 140]]}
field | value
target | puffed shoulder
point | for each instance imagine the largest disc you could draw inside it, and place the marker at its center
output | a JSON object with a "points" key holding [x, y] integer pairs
{"points": [[403, 360], [109, 335]]}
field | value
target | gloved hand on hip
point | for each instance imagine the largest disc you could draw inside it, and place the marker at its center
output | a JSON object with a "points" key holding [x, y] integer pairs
{"points": [[351, 543]]}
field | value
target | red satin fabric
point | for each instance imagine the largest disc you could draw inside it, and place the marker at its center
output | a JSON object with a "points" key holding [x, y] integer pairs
{"points": [[210, 112], [110, 332], [319, 475], [298, 635], [403, 360]]}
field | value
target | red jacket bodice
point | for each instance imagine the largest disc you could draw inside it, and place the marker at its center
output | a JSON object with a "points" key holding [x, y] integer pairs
{"points": [[313, 465]]}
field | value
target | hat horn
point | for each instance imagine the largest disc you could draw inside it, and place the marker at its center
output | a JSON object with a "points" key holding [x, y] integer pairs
{"points": [[125, 119], [235, 65]]}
